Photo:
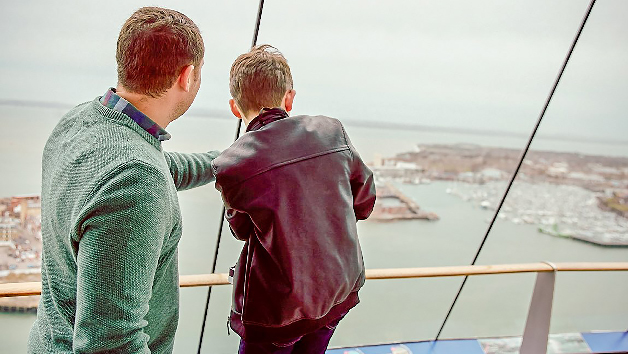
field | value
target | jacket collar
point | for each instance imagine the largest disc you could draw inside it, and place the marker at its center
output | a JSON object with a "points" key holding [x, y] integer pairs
{"points": [[266, 116]]}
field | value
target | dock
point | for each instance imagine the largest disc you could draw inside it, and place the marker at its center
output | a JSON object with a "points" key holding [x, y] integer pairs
{"points": [[392, 204]]}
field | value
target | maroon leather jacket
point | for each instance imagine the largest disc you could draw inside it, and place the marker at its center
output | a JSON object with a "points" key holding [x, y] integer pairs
{"points": [[294, 188]]}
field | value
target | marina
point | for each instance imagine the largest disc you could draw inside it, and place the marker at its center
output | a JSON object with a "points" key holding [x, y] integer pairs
{"points": [[570, 195], [558, 210]]}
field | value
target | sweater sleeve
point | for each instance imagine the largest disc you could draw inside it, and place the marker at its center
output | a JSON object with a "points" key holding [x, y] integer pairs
{"points": [[119, 241], [191, 170]]}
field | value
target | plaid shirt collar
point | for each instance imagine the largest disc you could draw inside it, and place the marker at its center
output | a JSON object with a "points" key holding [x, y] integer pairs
{"points": [[112, 100]]}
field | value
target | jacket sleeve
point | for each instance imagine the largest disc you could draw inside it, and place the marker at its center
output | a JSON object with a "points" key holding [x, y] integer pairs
{"points": [[191, 170], [117, 243], [240, 224], [362, 185]]}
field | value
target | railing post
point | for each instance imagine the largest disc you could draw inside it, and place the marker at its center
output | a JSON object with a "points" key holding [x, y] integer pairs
{"points": [[536, 333]]}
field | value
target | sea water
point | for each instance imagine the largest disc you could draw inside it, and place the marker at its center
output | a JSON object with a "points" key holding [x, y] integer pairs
{"points": [[390, 310]]}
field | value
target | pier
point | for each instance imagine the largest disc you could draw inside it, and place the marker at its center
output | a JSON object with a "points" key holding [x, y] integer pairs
{"points": [[392, 205]]}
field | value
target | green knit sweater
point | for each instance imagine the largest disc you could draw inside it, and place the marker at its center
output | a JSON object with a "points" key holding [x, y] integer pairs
{"points": [[111, 224]]}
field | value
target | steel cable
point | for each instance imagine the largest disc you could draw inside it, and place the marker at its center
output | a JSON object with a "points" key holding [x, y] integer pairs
{"points": [[222, 214]]}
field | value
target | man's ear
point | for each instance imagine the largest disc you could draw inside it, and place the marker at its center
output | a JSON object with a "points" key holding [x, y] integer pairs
{"points": [[186, 78], [288, 98], [234, 108]]}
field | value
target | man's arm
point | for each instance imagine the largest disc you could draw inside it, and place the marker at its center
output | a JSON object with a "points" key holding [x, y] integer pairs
{"points": [[240, 224], [119, 243], [191, 170]]}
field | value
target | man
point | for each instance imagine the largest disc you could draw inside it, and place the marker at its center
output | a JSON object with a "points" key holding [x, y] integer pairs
{"points": [[294, 188], [110, 215]]}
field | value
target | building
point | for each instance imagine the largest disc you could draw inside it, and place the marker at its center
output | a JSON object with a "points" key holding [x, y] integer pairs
{"points": [[26, 207], [7, 232]]}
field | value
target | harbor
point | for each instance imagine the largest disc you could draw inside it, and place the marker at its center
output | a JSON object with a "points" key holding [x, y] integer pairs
{"points": [[569, 195]]}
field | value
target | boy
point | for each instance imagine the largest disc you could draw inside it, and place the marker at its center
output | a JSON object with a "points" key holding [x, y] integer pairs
{"points": [[294, 188]]}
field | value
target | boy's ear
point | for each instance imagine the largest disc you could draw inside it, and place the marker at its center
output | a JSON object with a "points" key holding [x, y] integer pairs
{"points": [[288, 98], [186, 77], [234, 108]]}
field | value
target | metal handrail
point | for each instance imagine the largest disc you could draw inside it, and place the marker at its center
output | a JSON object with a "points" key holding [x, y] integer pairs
{"points": [[34, 288]]}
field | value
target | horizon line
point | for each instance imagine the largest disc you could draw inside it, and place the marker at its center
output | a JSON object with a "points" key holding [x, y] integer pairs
{"points": [[224, 114]]}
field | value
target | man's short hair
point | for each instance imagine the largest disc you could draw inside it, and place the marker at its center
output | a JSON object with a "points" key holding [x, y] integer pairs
{"points": [[154, 45], [259, 78]]}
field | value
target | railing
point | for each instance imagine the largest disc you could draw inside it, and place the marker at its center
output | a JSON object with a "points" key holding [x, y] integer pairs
{"points": [[34, 288], [539, 314]]}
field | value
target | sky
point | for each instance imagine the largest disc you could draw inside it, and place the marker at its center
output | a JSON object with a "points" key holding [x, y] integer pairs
{"points": [[477, 65]]}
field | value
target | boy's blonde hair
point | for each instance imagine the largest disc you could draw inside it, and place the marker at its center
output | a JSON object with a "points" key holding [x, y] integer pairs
{"points": [[259, 78]]}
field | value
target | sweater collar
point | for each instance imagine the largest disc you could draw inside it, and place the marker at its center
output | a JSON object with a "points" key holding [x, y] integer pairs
{"points": [[266, 116]]}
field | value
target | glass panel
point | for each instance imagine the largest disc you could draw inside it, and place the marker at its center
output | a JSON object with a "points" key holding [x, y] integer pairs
{"points": [[447, 73], [394, 310], [201, 210], [555, 205], [590, 302], [49, 64], [491, 306], [397, 74]]}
